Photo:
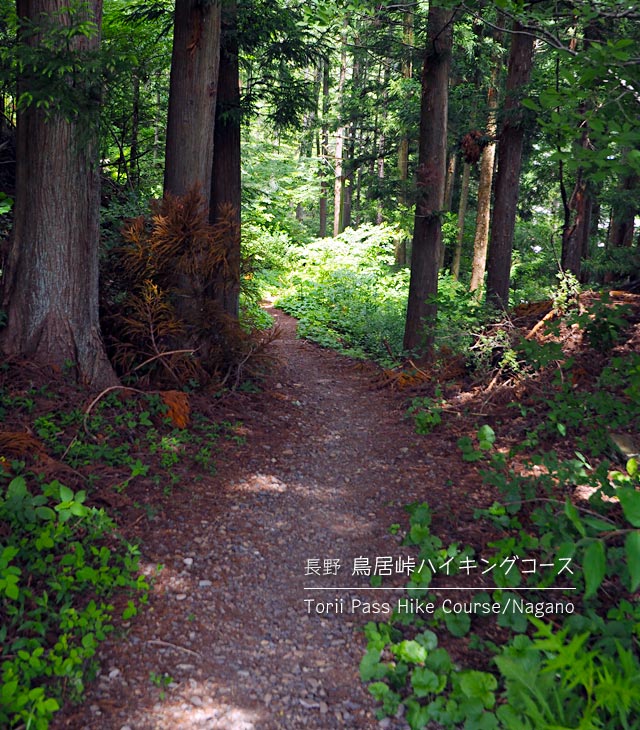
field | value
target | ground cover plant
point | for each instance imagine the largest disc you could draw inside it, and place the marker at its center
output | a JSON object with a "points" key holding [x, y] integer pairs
{"points": [[555, 646], [72, 481], [348, 294]]}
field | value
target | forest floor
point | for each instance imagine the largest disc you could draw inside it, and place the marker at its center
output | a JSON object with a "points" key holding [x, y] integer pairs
{"points": [[232, 638]]}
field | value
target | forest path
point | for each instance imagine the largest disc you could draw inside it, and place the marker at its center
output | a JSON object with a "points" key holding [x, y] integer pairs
{"points": [[328, 464]]}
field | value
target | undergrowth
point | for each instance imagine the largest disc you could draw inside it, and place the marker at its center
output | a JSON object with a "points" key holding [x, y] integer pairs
{"points": [[557, 625], [68, 578], [348, 294]]}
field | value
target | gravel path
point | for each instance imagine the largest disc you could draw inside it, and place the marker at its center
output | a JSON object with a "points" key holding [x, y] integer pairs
{"points": [[232, 639]]}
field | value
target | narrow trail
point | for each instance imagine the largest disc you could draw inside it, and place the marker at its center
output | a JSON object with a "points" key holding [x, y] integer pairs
{"points": [[328, 464]]}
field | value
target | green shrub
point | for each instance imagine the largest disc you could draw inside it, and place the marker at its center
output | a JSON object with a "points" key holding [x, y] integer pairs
{"points": [[59, 565]]}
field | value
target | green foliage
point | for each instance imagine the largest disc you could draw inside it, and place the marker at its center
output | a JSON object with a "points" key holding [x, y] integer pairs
{"points": [[559, 680], [604, 323], [58, 567], [346, 294], [485, 438], [578, 670], [426, 412]]}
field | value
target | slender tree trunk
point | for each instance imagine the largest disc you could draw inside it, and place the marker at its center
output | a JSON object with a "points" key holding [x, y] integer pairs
{"points": [[451, 179], [462, 212], [485, 184], [134, 166], [192, 97], [226, 184], [508, 173], [448, 197], [324, 152], [50, 286], [403, 148], [577, 226], [427, 234], [338, 187]]}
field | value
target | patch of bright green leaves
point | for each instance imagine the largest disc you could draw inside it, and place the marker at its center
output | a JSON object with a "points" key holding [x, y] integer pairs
{"points": [[579, 670], [59, 564], [348, 294]]}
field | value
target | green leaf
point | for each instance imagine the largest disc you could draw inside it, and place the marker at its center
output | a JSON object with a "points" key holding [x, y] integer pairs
{"points": [[630, 501], [410, 651], [479, 685], [426, 682], [66, 495], [371, 667], [379, 690], [17, 488], [632, 548], [45, 513], [458, 623], [486, 437], [593, 566], [572, 513]]}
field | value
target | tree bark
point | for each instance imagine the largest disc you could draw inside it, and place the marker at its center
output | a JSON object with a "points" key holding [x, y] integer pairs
{"points": [[324, 152], [50, 287], [403, 147], [485, 184], [427, 233], [462, 212], [623, 212], [226, 183], [192, 97], [507, 184], [577, 226], [338, 186]]}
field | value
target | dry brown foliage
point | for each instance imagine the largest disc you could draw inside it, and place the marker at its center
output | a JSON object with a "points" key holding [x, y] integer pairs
{"points": [[165, 322], [178, 406]]}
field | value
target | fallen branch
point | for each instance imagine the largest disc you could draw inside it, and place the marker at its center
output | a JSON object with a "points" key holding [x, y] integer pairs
{"points": [[169, 645]]}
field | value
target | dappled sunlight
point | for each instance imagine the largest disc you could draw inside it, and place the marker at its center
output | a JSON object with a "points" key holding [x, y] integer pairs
{"points": [[190, 706]]}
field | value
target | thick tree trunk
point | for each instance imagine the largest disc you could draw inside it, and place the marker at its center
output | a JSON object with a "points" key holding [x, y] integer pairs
{"points": [[192, 97], [226, 184], [623, 212], [462, 212], [50, 287], [507, 184], [427, 233]]}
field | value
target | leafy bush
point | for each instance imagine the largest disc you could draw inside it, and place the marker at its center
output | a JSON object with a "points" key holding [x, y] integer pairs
{"points": [[59, 565]]}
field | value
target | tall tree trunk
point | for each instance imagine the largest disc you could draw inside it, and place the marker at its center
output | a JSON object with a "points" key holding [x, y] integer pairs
{"points": [[324, 152], [485, 184], [576, 226], [624, 211], [508, 173], [226, 184], [462, 212], [338, 187], [451, 179], [50, 287], [427, 233], [134, 165], [192, 97], [403, 148], [448, 196]]}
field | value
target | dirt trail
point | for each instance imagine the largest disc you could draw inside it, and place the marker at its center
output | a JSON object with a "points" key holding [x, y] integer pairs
{"points": [[327, 466]]}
